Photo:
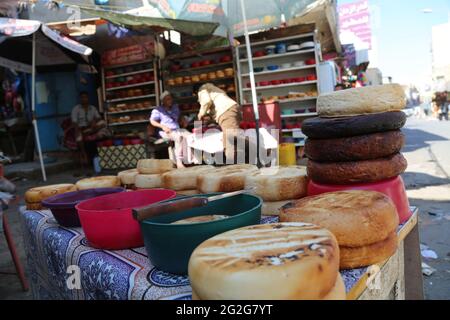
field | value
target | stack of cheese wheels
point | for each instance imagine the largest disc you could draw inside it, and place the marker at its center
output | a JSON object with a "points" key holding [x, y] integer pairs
{"points": [[128, 178], [277, 186], [98, 182], [150, 172], [184, 181], [282, 261], [225, 179], [34, 196], [357, 137], [364, 223]]}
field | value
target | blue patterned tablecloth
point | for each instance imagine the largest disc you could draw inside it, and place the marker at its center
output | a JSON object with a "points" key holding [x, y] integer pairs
{"points": [[118, 275]]}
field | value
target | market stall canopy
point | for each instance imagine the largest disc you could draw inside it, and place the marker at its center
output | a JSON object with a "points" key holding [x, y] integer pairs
{"points": [[52, 48], [155, 24]]}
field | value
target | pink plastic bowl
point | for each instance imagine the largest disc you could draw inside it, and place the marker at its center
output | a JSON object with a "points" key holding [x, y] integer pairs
{"points": [[107, 220], [393, 188]]}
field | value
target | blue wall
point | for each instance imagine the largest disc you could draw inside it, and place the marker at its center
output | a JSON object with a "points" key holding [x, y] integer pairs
{"points": [[63, 89]]}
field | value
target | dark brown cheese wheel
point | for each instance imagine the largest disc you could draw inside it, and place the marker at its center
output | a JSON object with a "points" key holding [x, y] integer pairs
{"points": [[344, 173], [366, 147], [330, 128]]}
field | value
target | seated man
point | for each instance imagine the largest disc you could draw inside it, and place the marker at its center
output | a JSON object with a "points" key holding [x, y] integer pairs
{"points": [[89, 127], [166, 117]]}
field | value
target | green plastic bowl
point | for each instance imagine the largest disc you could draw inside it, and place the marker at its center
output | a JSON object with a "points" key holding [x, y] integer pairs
{"points": [[169, 246]]}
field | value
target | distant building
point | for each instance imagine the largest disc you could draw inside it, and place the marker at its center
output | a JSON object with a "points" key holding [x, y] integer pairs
{"points": [[374, 76], [441, 57]]}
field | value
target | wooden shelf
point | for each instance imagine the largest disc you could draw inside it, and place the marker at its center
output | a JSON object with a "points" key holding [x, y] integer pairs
{"points": [[210, 66], [127, 64], [129, 122], [296, 84], [201, 82], [129, 73], [131, 98], [131, 86], [280, 55], [129, 111], [277, 40], [280, 70]]}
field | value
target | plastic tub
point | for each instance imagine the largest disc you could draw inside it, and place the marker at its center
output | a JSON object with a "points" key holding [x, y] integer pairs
{"points": [[393, 188], [63, 205], [170, 246], [107, 220]]}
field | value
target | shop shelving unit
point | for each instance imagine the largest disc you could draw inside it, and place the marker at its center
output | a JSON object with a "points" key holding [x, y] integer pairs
{"points": [[296, 108], [183, 92], [134, 104]]}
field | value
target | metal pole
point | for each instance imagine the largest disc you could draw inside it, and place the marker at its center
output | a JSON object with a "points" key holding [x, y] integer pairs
{"points": [[252, 79], [33, 108]]}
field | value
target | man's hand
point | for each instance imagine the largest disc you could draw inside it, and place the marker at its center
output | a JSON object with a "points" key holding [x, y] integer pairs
{"points": [[166, 129]]}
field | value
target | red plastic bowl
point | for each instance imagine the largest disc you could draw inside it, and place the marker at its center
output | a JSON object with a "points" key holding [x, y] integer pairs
{"points": [[393, 188], [107, 220], [63, 205]]}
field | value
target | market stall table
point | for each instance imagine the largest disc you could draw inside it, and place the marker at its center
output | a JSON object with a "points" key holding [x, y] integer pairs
{"points": [[54, 252]]}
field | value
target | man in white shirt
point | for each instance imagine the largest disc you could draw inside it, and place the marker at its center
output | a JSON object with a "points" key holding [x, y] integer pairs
{"points": [[225, 111]]}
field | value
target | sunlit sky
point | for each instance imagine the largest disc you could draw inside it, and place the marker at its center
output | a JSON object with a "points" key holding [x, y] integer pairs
{"points": [[402, 32]]}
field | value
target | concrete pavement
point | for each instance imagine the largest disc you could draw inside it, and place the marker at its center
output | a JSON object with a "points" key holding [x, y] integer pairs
{"points": [[428, 187]]}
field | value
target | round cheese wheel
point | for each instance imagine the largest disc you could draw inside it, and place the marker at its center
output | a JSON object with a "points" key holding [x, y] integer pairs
{"points": [[282, 261], [188, 192], [225, 179], [332, 128], [338, 291], [34, 206], [184, 179], [36, 195], [154, 166], [356, 218], [343, 173], [352, 258], [273, 208], [127, 177], [98, 182], [366, 147], [148, 181], [278, 183], [365, 100]]}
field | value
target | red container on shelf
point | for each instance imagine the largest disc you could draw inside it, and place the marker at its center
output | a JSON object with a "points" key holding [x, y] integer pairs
{"points": [[107, 143], [225, 59], [136, 141], [258, 54], [393, 188], [276, 82], [311, 77], [264, 83], [310, 62], [107, 220]]}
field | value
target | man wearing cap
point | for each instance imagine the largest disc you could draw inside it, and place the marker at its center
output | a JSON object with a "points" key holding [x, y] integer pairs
{"points": [[166, 118]]}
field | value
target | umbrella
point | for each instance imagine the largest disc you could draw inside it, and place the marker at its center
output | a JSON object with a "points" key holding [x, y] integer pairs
{"points": [[16, 28], [230, 18]]}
